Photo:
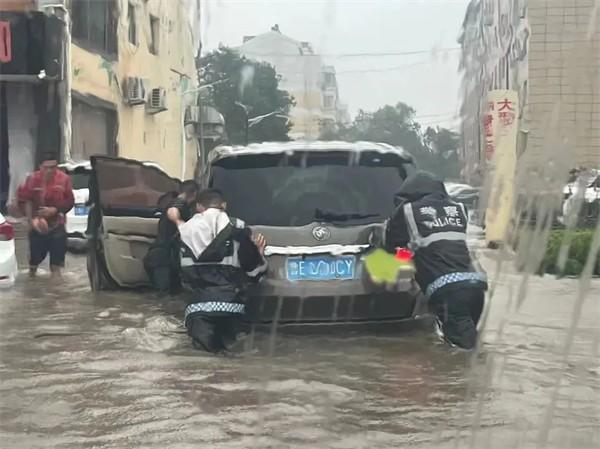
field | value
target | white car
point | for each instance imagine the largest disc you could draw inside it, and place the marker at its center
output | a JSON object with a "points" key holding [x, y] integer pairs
{"points": [[8, 259], [590, 198], [77, 217]]}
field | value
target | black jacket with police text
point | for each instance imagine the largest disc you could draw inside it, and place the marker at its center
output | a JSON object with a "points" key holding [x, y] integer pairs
{"points": [[428, 222], [219, 261]]}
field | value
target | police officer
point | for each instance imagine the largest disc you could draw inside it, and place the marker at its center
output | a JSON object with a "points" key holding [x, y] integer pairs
{"points": [[219, 258], [162, 261], [428, 222]]}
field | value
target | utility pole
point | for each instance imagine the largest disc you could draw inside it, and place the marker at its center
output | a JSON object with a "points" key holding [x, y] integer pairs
{"points": [[244, 108]]}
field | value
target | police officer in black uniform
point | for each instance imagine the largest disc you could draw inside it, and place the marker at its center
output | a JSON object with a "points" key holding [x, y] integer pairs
{"points": [[162, 261], [219, 259], [428, 222]]}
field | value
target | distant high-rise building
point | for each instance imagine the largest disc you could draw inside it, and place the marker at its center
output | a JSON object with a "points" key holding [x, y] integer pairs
{"points": [[304, 75]]}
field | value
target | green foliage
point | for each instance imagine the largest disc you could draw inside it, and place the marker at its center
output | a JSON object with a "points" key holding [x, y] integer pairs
{"points": [[579, 249], [434, 150], [254, 84]]}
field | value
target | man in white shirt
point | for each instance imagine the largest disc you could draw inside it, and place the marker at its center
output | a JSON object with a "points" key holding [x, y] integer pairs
{"points": [[219, 259]]}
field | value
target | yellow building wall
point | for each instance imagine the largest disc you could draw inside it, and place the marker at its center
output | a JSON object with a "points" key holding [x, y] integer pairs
{"points": [[305, 115], [143, 136]]}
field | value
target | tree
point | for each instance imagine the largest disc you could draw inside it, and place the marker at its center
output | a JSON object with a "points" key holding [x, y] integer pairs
{"points": [[444, 145], [435, 150], [236, 79]]}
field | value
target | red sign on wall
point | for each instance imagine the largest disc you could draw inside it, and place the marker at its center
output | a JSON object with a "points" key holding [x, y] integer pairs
{"points": [[5, 42], [29, 43]]}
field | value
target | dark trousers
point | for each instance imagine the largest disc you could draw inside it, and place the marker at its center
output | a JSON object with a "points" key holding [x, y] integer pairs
{"points": [[162, 266], [213, 333], [164, 279], [458, 311], [53, 243]]}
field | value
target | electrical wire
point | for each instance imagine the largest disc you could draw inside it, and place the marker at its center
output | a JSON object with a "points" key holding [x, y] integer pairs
{"points": [[360, 55], [385, 69]]}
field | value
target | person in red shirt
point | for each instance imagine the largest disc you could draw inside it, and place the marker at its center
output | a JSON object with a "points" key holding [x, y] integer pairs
{"points": [[47, 195]]}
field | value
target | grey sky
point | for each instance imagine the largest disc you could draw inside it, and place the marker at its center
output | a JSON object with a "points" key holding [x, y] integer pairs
{"points": [[427, 81]]}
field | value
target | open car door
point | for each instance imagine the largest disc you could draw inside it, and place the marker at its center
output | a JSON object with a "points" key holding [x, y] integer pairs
{"points": [[123, 219]]}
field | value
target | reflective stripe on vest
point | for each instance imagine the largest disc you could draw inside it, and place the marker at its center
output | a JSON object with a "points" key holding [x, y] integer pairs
{"points": [[451, 278], [214, 306], [417, 241]]}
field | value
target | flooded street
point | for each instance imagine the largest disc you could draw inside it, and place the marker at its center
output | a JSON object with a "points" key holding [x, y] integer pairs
{"points": [[115, 371], [282, 141]]}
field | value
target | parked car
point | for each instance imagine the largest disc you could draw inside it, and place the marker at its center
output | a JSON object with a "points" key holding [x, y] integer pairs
{"points": [[321, 206], [589, 209], [464, 193], [8, 259], [77, 217], [470, 197]]}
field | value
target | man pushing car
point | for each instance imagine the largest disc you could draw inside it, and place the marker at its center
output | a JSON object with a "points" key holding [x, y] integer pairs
{"points": [[219, 259], [434, 227]]}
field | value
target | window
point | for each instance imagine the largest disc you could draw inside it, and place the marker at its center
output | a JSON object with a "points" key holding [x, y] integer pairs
{"points": [[328, 102], [132, 23], [95, 24], [94, 131], [154, 43], [329, 80], [297, 190]]}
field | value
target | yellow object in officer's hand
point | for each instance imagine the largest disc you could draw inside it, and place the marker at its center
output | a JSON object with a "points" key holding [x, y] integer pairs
{"points": [[384, 268]]}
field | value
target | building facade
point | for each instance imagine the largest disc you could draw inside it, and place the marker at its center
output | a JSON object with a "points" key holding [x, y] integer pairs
{"points": [[131, 62], [549, 52], [124, 69], [304, 75], [31, 80]]}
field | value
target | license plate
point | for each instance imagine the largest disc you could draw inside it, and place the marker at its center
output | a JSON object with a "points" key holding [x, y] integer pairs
{"points": [[81, 210], [321, 268]]}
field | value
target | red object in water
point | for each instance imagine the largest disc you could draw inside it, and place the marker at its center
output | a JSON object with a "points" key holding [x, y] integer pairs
{"points": [[404, 254], [7, 232]]}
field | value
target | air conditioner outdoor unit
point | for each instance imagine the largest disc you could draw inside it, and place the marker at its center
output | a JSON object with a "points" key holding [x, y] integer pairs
{"points": [[157, 102], [135, 91], [192, 115]]}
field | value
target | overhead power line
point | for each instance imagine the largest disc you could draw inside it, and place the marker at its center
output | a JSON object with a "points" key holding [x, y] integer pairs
{"points": [[447, 114], [360, 55], [383, 69]]}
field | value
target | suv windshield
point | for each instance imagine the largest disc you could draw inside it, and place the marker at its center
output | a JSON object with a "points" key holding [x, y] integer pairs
{"points": [[296, 190]]}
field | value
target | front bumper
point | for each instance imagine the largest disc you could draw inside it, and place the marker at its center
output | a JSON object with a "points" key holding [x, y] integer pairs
{"points": [[275, 298], [335, 307]]}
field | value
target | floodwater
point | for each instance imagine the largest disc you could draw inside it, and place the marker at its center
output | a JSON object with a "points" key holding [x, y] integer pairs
{"points": [[114, 371]]}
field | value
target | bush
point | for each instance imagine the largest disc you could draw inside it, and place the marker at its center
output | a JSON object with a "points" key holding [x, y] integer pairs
{"points": [[579, 248]]}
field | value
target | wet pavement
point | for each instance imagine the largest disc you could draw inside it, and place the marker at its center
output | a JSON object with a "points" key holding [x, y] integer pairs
{"points": [[113, 370]]}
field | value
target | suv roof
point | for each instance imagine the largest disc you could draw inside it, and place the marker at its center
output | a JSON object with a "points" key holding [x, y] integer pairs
{"points": [[71, 166], [223, 151]]}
